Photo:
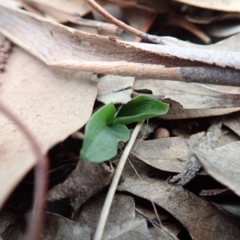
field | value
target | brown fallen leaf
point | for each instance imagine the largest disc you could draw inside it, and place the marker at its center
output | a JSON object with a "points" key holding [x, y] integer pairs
{"points": [[177, 111], [221, 5], [122, 209], [68, 48], [223, 165], [6, 218], [209, 141], [190, 95], [52, 103], [168, 154], [135, 229], [233, 122], [86, 180], [229, 44], [55, 227], [222, 29], [201, 219], [73, 6]]}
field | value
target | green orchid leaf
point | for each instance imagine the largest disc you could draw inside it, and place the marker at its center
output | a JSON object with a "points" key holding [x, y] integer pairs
{"points": [[101, 138], [140, 108]]}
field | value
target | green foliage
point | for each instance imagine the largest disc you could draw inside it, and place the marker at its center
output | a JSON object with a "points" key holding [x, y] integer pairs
{"points": [[139, 109], [107, 127]]}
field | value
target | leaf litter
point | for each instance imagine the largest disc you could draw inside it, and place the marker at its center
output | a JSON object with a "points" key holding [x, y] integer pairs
{"points": [[53, 86]]}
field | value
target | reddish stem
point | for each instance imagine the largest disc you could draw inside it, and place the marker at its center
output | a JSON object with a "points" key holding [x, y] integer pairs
{"points": [[122, 25], [36, 219]]}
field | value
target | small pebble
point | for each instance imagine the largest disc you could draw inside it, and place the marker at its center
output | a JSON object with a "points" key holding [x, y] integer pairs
{"points": [[161, 133]]}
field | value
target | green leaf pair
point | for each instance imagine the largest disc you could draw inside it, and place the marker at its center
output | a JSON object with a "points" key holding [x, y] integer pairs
{"points": [[107, 127]]}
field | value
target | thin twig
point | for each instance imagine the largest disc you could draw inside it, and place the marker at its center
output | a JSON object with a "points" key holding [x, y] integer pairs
{"points": [[122, 25], [108, 201], [36, 218]]}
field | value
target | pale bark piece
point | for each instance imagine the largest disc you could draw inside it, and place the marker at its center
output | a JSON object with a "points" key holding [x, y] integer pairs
{"points": [[52, 103], [221, 5], [201, 219], [86, 180], [190, 95], [223, 165], [114, 89], [64, 47], [134, 229], [122, 209]]}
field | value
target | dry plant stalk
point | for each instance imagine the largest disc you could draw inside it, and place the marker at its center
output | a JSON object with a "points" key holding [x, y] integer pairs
{"points": [[36, 219]]}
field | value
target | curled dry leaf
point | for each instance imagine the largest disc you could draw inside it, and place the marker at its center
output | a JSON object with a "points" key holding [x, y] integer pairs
{"points": [[201, 219], [223, 164], [85, 181], [52, 103], [68, 48]]}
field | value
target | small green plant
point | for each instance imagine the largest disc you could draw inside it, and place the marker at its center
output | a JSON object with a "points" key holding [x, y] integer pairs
{"points": [[106, 127]]}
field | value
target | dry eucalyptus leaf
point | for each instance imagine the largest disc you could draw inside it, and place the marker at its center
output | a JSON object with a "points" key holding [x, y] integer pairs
{"points": [[189, 95], [122, 209], [201, 219], [233, 123], [209, 141], [59, 228], [74, 6], [6, 218], [222, 29], [55, 227], [52, 103], [86, 180], [134, 229], [223, 165], [64, 47], [114, 89], [177, 111], [229, 44], [167, 154], [220, 5]]}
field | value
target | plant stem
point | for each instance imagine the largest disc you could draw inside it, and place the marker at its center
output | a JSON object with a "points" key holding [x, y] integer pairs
{"points": [[122, 25], [111, 192], [36, 218]]}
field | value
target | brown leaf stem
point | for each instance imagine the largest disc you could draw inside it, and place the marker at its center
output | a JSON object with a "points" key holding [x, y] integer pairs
{"points": [[36, 218], [121, 25]]}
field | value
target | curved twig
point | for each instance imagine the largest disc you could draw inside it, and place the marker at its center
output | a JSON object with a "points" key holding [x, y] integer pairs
{"points": [[36, 218], [122, 25]]}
